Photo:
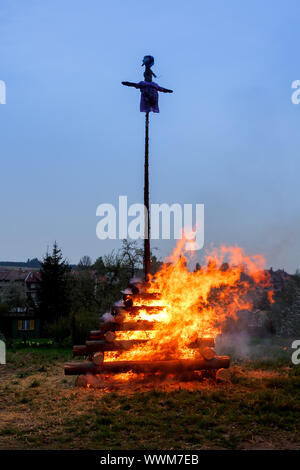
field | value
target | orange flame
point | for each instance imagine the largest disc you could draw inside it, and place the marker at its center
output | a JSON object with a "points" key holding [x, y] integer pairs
{"points": [[194, 304]]}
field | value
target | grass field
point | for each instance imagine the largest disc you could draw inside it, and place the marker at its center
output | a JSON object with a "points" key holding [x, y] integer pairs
{"points": [[41, 409]]}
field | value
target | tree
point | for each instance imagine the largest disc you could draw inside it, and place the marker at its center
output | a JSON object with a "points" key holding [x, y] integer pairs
{"points": [[83, 290], [85, 263], [53, 293], [13, 295], [131, 255], [33, 263], [286, 309], [99, 266], [114, 268], [117, 275]]}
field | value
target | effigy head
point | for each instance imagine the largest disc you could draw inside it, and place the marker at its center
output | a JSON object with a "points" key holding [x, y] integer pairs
{"points": [[148, 60]]}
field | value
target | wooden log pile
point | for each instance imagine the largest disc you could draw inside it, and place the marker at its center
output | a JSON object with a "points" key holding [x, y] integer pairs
{"points": [[172, 366], [104, 339]]}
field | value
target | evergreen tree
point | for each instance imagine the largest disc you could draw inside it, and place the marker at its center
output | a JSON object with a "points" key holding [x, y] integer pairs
{"points": [[53, 289], [99, 266]]}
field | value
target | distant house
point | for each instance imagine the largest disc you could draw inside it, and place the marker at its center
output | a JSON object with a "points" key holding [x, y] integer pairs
{"points": [[21, 320]]}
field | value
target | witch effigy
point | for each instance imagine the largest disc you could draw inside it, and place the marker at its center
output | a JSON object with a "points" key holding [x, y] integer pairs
{"points": [[149, 89], [149, 103]]}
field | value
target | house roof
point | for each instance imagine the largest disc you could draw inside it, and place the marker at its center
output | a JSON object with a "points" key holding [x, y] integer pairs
{"points": [[33, 276], [20, 274]]}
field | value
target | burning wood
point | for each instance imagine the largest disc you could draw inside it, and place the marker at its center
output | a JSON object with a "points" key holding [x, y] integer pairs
{"points": [[97, 334], [110, 336], [138, 297], [122, 345], [78, 368], [117, 309], [169, 325], [203, 344], [94, 346], [208, 353], [139, 325], [98, 358], [165, 367]]}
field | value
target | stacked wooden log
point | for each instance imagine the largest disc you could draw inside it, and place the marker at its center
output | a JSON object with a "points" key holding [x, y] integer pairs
{"points": [[104, 339]]}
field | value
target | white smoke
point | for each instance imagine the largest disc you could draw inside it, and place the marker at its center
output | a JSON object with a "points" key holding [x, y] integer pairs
{"points": [[236, 345], [107, 317]]}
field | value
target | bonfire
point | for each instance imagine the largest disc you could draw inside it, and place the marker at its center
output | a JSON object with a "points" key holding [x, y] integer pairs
{"points": [[169, 324]]}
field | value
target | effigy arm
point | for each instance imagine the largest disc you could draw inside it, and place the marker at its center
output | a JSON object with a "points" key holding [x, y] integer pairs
{"points": [[135, 85], [164, 90]]}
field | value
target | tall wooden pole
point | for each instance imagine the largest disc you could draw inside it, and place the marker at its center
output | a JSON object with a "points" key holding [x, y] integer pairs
{"points": [[146, 202], [145, 105]]}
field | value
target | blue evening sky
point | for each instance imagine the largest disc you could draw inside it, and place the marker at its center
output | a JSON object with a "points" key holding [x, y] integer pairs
{"points": [[71, 136]]}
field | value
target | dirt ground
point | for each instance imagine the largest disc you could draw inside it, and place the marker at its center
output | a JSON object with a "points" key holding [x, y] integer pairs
{"points": [[42, 409]]}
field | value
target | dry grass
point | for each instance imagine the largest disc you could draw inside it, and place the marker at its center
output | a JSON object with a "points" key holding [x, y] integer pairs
{"points": [[41, 409]]}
